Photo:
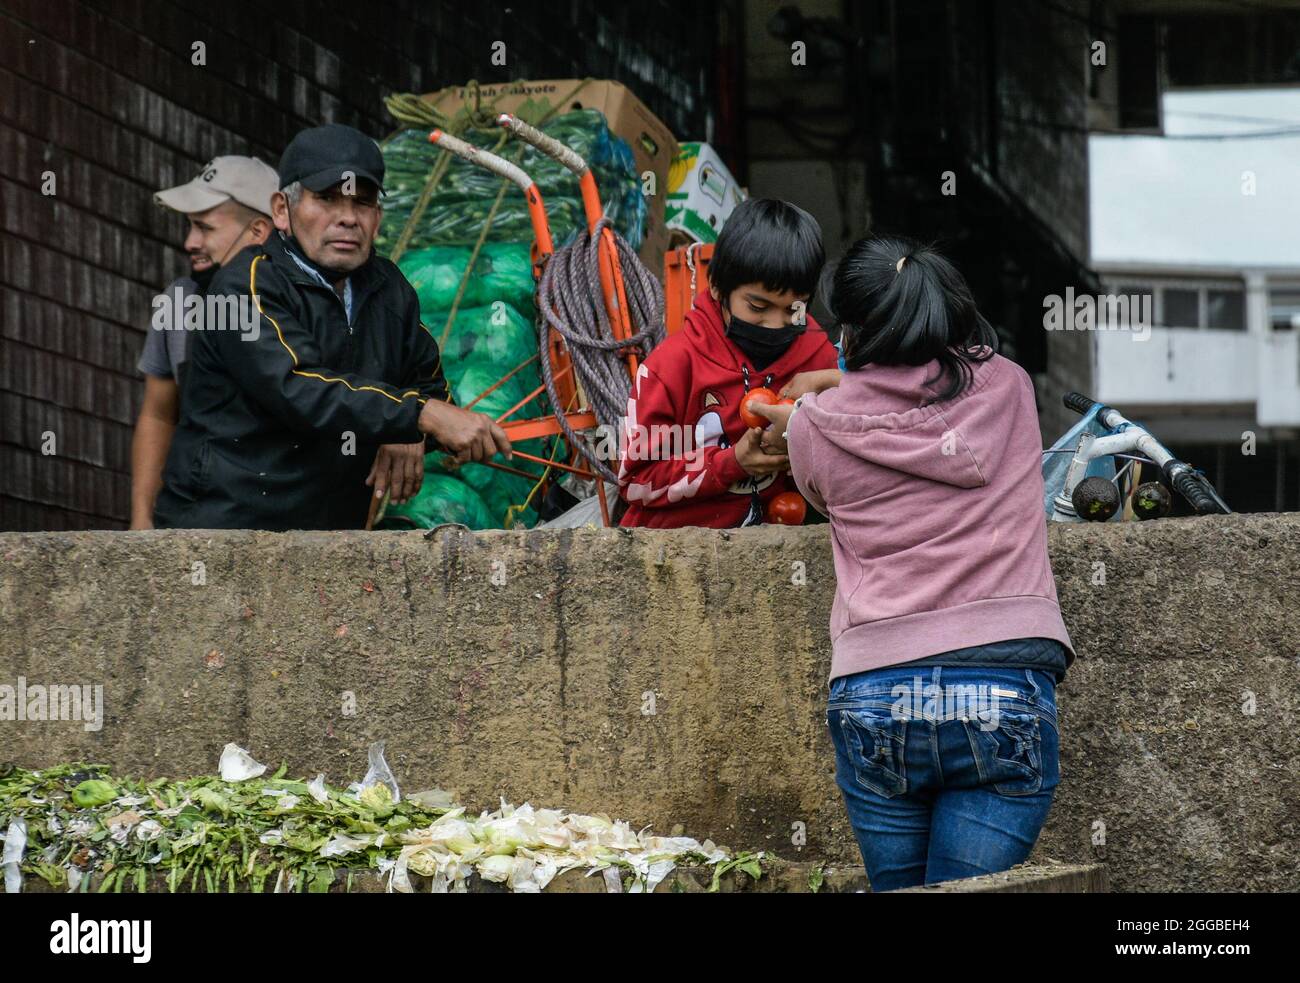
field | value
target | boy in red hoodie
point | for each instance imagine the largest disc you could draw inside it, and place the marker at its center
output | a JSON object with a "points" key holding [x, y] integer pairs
{"points": [[686, 458]]}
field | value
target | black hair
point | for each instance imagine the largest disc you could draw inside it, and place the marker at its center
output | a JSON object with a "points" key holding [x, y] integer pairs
{"points": [[770, 242], [909, 315]]}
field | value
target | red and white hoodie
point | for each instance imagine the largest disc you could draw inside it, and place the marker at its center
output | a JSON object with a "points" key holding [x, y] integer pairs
{"points": [[677, 465]]}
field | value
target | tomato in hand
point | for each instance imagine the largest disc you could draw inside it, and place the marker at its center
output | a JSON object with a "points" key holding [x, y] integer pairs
{"points": [[759, 395], [787, 509], [785, 401]]}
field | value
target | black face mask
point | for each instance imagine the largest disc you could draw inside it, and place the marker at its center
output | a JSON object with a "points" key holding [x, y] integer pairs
{"points": [[204, 277], [761, 345]]}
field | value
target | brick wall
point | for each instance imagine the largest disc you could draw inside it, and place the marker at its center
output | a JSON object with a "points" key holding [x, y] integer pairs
{"points": [[1042, 114], [1012, 97], [995, 92], [105, 96]]}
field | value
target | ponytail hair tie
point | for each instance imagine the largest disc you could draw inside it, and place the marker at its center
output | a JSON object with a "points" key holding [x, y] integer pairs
{"points": [[898, 267]]}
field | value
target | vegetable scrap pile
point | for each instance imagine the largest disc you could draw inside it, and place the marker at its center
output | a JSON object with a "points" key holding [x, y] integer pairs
{"points": [[239, 830]]}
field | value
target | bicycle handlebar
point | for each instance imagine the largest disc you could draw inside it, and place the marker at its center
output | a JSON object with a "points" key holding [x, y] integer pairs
{"points": [[1081, 404], [1078, 402], [1182, 476], [1191, 486]]}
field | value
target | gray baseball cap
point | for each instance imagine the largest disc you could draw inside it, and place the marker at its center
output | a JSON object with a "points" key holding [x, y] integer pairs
{"points": [[246, 180]]}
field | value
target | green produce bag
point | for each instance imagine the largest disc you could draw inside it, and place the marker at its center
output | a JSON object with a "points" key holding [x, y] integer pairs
{"points": [[498, 489], [408, 155], [461, 200], [442, 498], [496, 337], [503, 271]]}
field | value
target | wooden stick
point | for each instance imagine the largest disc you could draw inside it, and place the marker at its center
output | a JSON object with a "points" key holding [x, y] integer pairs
{"points": [[374, 507]]}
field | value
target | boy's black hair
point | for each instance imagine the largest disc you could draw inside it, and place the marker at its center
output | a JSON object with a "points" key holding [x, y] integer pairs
{"points": [[909, 315], [770, 242]]}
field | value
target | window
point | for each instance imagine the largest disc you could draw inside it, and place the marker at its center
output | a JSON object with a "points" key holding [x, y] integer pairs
{"points": [[1135, 290], [1182, 308], [1136, 304], [1217, 305], [1284, 309], [1225, 310]]}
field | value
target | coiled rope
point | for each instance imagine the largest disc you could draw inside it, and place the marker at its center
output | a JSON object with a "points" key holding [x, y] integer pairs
{"points": [[571, 301]]}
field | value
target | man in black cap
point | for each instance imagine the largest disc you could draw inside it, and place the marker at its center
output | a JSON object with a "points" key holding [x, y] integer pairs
{"points": [[292, 425]]}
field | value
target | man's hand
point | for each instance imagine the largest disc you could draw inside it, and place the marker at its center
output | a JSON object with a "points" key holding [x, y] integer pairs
{"points": [[751, 457], [467, 435], [398, 470], [772, 440], [811, 382]]}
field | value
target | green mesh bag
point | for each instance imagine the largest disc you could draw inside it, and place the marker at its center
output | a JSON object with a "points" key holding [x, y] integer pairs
{"points": [[498, 489], [408, 157], [497, 337], [459, 205], [442, 498], [502, 272], [461, 223]]}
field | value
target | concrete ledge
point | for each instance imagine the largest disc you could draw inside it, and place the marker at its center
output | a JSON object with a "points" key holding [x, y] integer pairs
{"points": [[1025, 879], [670, 678]]}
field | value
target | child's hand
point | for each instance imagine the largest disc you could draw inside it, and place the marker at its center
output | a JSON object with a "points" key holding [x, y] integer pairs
{"points": [[773, 443], [772, 440], [750, 456], [811, 382]]}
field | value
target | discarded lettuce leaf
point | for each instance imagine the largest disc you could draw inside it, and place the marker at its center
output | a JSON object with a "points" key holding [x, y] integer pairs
{"points": [[12, 857], [496, 868], [212, 801], [434, 798], [93, 792], [378, 799], [237, 765], [316, 788]]}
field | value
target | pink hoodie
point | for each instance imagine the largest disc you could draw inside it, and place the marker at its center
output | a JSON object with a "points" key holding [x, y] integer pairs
{"points": [[937, 522]]}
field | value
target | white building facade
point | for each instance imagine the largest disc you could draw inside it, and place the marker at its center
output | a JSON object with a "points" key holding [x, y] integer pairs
{"points": [[1204, 221]]}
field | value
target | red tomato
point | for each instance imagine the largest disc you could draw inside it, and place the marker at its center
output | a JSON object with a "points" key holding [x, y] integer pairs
{"points": [[785, 401], [759, 395], [787, 509]]}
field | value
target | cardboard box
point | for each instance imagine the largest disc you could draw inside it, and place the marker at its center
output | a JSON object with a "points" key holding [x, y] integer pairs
{"points": [[653, 145], [701, 193]]}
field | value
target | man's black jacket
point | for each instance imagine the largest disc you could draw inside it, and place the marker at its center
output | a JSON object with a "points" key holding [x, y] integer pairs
{"points": [[279, 425]]}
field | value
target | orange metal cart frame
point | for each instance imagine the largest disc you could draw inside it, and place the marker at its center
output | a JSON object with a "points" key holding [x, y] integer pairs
{"points": [[611, 280]]}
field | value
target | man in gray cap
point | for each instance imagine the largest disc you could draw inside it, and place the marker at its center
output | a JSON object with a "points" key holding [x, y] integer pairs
{"points": [[228, 205], [297, 425]]}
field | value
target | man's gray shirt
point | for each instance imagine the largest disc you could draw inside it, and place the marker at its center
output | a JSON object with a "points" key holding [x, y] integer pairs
{"points": [[165, 349]]}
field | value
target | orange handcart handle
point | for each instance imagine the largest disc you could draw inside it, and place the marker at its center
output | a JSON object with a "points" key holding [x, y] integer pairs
{"points": [[611, 274]]}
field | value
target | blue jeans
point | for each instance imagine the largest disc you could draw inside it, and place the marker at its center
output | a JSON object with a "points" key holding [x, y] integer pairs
{"points": [[946, 771]]}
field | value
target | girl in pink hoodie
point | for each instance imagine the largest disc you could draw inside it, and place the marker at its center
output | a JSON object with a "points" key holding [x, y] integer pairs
{"points": [[947, 638]]}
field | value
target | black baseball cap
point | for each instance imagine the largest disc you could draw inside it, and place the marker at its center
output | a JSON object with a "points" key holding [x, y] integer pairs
{"points": [[323, 156]]}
